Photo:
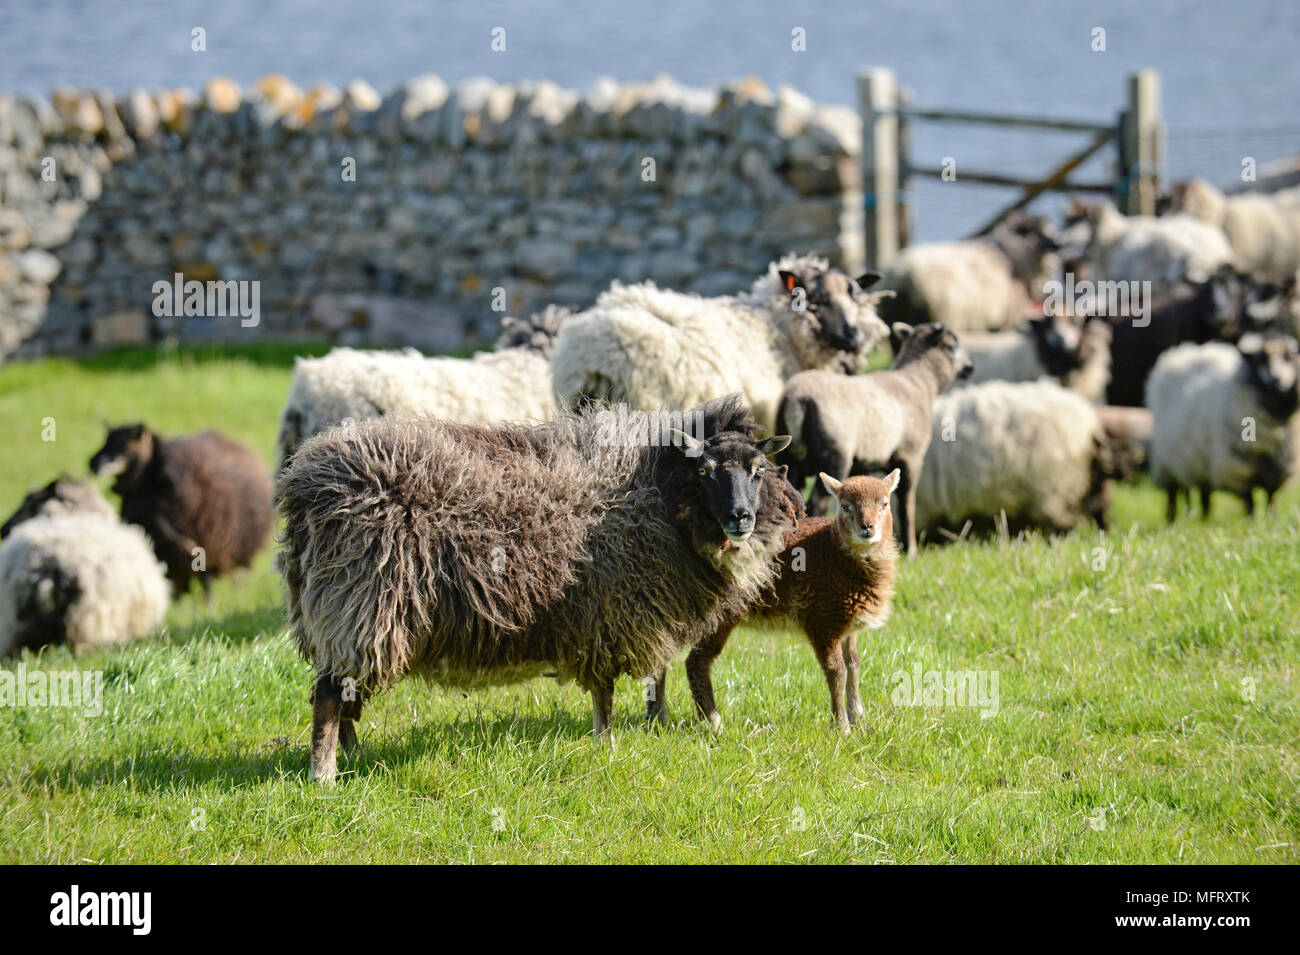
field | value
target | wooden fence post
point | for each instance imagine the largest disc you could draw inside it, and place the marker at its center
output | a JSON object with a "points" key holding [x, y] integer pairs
{"points": [[1141, 144], [906, 201], [878, 104]]}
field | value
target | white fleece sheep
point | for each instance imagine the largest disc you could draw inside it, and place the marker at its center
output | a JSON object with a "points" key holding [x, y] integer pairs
{"points": [[1033, 450], [84, 578], [654, 348], [1163, 251], [1263, 230], [512, 383], [1078, 356], [1224, 420], [967, 286]]}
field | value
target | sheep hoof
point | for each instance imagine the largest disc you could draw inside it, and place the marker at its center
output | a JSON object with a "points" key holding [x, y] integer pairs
{"points": [[715, 722]]}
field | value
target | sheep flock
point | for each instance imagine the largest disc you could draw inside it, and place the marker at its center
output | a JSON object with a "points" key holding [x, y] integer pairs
{"points": [[614, 486]]}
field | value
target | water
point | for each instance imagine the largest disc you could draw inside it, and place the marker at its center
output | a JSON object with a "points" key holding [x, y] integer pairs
{"points": [[1231, 71]]}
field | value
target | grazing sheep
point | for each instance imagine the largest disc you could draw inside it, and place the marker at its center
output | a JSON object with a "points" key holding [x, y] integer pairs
{"points": [[1225, 419], [1032, 451], [1264, 233], [836, 576], [654, 348], [1076, 353], [973, 286], [512, 383], [844, 424], [204, 500], [1163, 251], [70, 572], [1128, 435], [475, 555]]}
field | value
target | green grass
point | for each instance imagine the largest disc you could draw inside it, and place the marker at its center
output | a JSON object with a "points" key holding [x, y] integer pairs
{"points": [[1121, 688]]}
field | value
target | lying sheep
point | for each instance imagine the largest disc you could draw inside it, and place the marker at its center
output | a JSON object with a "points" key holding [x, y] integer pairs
{"points": [[1264, 233], [1225, 419], [1075, 353], [1163, 251], [70, 572], [1033, 452], [654, 348], [475, 555], [844, 424], [837, 576], [204, 500], [980, 285], [512, 383]]}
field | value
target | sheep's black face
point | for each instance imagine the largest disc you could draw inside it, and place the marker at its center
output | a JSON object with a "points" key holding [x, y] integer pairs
{"points": [[1059, 345], [729, 468], [837, 309], [31, 506], [125, 452], [1274, 367]]}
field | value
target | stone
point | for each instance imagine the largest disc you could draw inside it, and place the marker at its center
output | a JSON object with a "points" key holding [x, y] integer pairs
{"points": [[36, 265], [222, 95], [79, 111], [14, 233], [130, 327], [139, 112]]}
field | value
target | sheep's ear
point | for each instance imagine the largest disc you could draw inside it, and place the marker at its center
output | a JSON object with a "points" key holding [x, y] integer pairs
{"points": [[868, 279], [901, 331], [789, 280], [892, 479], [778, 442], [833, 486], [690, 447]]}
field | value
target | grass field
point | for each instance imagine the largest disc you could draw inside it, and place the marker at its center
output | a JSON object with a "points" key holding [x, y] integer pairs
{"points": [[1148, 705]]}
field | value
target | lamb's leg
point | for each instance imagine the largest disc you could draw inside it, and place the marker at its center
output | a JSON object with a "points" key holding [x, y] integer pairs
{"points": [[327, 704], [699, 664], [350, 712], [827, 648], [907, 513], [853, 701], [1205, 502], [656, 704], [602, 709]]}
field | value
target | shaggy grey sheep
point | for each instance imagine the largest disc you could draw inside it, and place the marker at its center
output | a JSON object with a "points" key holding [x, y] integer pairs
{"points": [[70, 572], [474, 555], [512, 383], [843, 424], [1075, 353], [652, 348], [1225, 419], [1032, 451]]}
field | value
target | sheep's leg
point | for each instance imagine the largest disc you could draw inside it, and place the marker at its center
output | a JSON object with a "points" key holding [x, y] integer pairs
{"points": [[1248, 498], [853, 701], [206, 580], [906, 517], [1171, 504], [327, 705], [1205, 502], [1269, 504], [699, 664], [656, 703], [832, 663], [602, 709], [350, 712]]}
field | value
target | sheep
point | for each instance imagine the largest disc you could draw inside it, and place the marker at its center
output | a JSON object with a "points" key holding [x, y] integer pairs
{"points": [[204, 500], [1020, 454], [512, 383], [836, 576], [973, 286], [1163, 251], [1077, 353], [70, 572], [1128, 435], [474, 554], [655, 348], [846, 425], [1224, 418], [1264, 234]]}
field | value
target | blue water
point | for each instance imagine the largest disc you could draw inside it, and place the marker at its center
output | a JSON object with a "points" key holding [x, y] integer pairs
{"points": [[1231, 71]]}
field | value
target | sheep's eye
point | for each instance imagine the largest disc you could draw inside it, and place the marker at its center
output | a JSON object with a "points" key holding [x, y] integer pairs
{"points": [[884, 505], [704, 471]]}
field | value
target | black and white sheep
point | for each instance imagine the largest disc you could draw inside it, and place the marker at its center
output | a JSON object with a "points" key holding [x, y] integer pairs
{"points": [[1224, 418], [71, 572], [859, 424], [511, 383], [1075, 353], [1032, 454], [475, 555], [653, 348], [204, 500]]}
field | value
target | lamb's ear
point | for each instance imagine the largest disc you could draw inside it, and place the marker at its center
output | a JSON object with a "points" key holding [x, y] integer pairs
{"points": [[778, 442], [892, 479], [833, 486], [901, 331], [868, 279], [789, 280], [690, 447]]}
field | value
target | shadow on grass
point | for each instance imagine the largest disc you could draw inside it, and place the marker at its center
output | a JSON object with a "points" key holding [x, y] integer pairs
{"points": [[239, 626], [138, 358], [156, 769]]}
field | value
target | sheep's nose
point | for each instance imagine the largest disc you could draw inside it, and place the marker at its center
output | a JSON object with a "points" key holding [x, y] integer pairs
{"points": [[741, 515], [869, 529]]}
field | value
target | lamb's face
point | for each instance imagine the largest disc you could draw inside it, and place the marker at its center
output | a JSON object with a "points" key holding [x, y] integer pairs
{"points": [[936, 343], [126, 450], [863, 515], [729, 470], [832, 313]]}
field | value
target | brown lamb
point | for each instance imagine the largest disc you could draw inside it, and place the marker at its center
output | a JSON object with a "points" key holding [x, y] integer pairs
{"points": [[836, 576]]}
